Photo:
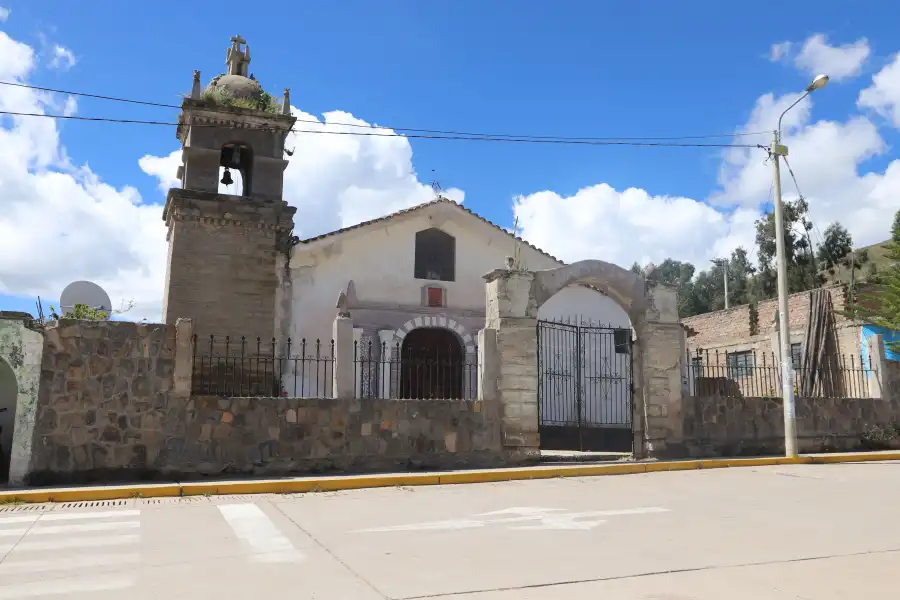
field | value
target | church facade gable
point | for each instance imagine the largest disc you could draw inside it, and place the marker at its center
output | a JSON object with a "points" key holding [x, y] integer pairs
{"points": [[424, 266]]}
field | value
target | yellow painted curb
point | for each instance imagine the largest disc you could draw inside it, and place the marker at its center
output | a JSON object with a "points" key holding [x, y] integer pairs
{"points": [[350, 482], [93, 493], [825, 459]]}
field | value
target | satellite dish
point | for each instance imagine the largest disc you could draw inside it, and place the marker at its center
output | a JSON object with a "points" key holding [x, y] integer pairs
{"points": [[84, 292]]}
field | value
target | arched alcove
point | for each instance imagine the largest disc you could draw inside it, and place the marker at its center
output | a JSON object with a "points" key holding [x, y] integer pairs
{"points": [[237, 161], [9, 391], [431, 364]]}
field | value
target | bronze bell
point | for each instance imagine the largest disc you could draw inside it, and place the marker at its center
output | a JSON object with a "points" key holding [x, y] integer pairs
{"points": [[226, 178]]}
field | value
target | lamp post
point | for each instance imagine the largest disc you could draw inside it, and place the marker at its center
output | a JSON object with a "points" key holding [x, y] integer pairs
{"points": [[787, 369], [723, 262]]}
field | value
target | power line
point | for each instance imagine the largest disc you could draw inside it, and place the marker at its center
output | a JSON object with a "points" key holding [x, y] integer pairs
{"points": [[476, 137], [816, 232], [433, 131]]}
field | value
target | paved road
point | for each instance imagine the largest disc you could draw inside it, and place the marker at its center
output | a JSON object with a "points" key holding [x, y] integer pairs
{"points": [[792, 532]]}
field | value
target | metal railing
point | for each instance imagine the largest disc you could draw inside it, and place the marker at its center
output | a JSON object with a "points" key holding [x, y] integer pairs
{"points": [[389, 371], [758, 374], [239, 367]]}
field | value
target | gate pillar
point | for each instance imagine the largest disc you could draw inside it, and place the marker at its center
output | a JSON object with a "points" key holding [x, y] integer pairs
{"points": [[662, 350], [511, 315]]}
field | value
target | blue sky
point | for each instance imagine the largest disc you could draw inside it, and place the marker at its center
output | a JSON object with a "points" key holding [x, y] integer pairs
{"points": [[567, 68]]}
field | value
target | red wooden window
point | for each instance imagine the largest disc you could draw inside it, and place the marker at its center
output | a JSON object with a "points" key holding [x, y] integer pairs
{"points": [[435, 296]]}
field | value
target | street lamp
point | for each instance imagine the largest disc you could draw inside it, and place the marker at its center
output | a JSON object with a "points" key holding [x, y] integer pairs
{"points": [[723, 262], [787, 369]]}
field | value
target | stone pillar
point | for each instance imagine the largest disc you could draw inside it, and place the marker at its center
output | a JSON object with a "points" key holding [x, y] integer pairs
{"points": [[876, 376], [660, 431], [385, 362], [184, 358], [511, 312], [342, 333]]}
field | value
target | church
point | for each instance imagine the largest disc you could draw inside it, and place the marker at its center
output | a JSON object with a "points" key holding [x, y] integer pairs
{"points": [[412, 281]]}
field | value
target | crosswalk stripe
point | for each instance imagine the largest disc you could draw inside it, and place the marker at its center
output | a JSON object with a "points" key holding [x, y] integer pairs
{"points": [[100, 514], [259, 534], [11, 565], [67, 586], [19, 519], [13, 532], [68, 543], [54, 529]]}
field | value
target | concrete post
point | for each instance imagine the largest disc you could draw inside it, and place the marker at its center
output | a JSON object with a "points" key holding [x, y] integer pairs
{"points": [[660, 377], [511, 312], [342, 333], [877, 373], [184, 357]]}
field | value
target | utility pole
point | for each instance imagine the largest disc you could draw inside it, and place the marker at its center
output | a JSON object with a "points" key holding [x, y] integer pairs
{"points": [[784, 332], [723, 262]]}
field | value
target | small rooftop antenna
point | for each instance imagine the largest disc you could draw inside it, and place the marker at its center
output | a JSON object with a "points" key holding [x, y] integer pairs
{"points": [[436, 187]]}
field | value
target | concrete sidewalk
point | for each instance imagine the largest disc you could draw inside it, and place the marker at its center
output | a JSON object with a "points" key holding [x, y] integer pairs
{"points": [[348, 482], [758, 533]]}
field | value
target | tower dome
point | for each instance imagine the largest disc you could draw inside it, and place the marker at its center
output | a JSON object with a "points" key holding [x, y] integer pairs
{"points": [[237, 86]]}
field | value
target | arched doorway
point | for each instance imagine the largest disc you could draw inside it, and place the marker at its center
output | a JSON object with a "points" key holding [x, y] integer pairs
{"points": [[431, 364], [584, 372], [9, 390]]}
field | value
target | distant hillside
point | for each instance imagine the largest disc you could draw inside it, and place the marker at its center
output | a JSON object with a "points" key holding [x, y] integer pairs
{"points": [[877, 255]]}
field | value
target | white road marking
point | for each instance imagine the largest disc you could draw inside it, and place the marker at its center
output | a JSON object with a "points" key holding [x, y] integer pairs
{"points": [[11, 565], [64, 586], [259, 534], [12, 532], [19, 519], [54, 529], [76, 516], [546, 518], [81, 542]]}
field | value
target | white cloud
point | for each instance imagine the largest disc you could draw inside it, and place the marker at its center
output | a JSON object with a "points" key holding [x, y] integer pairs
{"points": [[621, 227], [339, 180], [883, 95], [826, 156], [335, 180], [780, 51], [62, 58], [60, 221], [4, 14], [818, 56]]}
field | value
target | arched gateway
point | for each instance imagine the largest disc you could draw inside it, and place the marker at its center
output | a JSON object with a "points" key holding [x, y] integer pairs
{"points": [[513, 300]]}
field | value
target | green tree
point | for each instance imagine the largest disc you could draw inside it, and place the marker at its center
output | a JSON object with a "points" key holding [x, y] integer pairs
{"points": [[879, 303], [801, 267], [836, 245]]}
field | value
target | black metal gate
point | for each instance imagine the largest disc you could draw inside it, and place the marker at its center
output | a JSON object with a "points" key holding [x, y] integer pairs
{"points": [[585, 386]]}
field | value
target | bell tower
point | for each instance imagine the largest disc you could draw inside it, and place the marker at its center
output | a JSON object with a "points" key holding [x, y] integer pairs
{"points": [[228, 226]]}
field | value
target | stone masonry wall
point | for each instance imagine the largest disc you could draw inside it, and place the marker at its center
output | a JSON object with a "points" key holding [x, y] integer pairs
{"points": [[273, 436], [716, 426], [113, 406], [103, 399]]}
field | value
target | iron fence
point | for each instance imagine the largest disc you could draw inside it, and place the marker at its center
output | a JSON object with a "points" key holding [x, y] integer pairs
{"points": [[758, 374], [241, 367], [390, 371]]}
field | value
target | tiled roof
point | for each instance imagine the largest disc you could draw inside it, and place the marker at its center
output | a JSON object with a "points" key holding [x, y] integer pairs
{"points": [[440, 200]]}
